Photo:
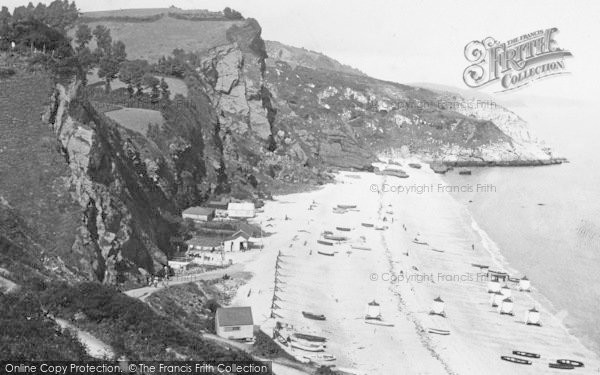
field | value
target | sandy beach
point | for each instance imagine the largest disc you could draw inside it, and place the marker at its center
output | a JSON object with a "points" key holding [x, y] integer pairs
{"points": [[403, 277]]}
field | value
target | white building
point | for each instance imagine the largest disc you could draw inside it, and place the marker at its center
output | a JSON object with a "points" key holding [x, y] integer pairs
{"points": [[234, 323], [199, 214], [237, 242], [241, 210]]}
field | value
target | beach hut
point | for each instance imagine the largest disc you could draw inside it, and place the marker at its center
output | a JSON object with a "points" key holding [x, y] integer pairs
{"points": [[373, 310], [241, 210], [199, 214], [493, 286], [532, 317], [220, 207], [496, 299], [238, 241], [234, 323], [524, 284], [437, 308], [506, 291], [506, 307]]}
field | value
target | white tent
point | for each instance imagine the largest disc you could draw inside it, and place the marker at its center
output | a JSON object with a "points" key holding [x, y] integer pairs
{"points": [[525, 284], [506, 292], [532, 317], [493, 286], [438, 306], [373, 310], [496, 299], [506, 307]]}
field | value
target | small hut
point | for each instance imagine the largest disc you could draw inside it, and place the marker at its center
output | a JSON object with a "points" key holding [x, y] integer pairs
{"points": [[496, 299], [506, 308], [524, 284], [532, 317], [438, 306], [373, 310], [506, 291], [493, 286]]}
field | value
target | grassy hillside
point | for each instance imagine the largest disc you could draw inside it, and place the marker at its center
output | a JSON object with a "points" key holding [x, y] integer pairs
{"points": [[33, 173], [301, 56]]}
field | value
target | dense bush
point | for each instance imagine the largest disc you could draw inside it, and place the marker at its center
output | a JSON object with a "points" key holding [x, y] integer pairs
{"points": [[6, 72], [27, 334], [132, 327]]}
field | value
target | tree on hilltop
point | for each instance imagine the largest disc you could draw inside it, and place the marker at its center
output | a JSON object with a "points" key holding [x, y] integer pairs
{"points": [[83, 35], [232, 14], [110, 62], [131, 73], [103, 39]]}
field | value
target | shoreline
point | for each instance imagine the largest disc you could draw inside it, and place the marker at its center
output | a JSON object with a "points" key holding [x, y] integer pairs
{"points": [[346, 281]]}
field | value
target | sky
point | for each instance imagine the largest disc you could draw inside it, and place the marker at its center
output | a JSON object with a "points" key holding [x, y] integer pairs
{"points": [[416, 40]]}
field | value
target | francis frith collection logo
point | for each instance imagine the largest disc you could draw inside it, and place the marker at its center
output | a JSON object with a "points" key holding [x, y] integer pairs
{"points": [[515, 63]]}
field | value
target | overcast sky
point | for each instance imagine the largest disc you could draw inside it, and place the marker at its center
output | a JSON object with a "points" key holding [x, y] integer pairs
{"points": [[415, 41]]}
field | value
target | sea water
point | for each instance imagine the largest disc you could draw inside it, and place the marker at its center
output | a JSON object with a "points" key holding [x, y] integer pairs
{"points": [[545, 221]]}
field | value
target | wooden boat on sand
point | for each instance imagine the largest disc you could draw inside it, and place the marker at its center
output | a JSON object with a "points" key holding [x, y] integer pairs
{"points": [[326, 243], [321, 357], [379, 322], [571, 362], [308, 337], [328, 253], [516, 360], [525, 354], [309, 315], [334, 238], [343, 229], [307, 347], [346, 206], [419, 242], [561, 366], [414, 165], [367, 225], [357, 247], [437, 331]]}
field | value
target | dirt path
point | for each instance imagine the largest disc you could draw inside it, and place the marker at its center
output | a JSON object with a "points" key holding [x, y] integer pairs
{"points": [[94, 347]]}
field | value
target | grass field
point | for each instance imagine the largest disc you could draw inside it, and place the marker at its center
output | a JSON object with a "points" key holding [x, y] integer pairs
{"points": [[136, 119], [151, 40]]}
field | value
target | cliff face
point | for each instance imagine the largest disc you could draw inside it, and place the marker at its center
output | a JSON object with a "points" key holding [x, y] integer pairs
{"points": [[342, 119], [250, 124], [124, 227]]}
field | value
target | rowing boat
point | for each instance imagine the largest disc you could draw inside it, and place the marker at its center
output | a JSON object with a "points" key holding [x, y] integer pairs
{"points": [[321, 357], [325, 242], [419, 242], [343, 229], [334, 238], [346, 206], [378, 322], [519, 361], [309, 315], [571, 362], [329, 253], [367, 225], [525, 354], [307, 337], [308, 347], [443, 332], [561, 366]]}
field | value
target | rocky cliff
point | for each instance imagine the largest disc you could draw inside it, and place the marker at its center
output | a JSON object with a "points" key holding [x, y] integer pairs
{"points": [[250, 124]]}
